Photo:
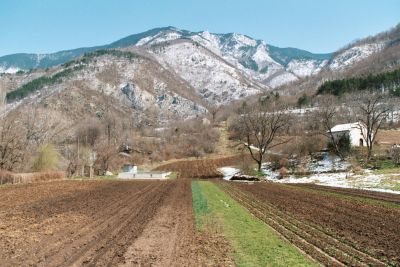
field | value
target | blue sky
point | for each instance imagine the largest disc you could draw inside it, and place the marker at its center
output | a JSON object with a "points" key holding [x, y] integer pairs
{"points": [[43, 26]]}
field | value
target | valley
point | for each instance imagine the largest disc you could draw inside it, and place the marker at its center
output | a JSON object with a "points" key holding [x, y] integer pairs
{"points": [[177, 146]]}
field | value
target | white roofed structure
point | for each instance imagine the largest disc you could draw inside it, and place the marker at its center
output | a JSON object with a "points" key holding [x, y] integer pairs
{"points": [[353, 130]]}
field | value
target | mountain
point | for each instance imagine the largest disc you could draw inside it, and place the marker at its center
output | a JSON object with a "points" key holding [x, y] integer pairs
{"points": [[127, 85], [368, 56], [265, 63], [169, 73]]}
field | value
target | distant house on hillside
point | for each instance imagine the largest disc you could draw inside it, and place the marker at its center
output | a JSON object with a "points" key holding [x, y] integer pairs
{"points": [[353, 130]]}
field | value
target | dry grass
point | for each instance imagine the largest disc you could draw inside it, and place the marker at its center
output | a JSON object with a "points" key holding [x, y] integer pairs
{"points": [[16, 178], [388, 137], [201, 168], [6, 177]]}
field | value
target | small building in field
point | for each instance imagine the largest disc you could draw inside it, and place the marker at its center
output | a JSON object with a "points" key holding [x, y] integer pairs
{"points": [[131, 172], [355, 132]]}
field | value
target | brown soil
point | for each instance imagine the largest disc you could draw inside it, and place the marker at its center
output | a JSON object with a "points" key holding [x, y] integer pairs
{"points": [[170, 239], [393, 198], [100, 223], [202, 168], [332, 230]]}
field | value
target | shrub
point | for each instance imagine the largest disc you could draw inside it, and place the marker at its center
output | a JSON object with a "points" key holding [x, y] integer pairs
{"points": [[47, 158], [343, 143], [395, 154], [6, 177]]}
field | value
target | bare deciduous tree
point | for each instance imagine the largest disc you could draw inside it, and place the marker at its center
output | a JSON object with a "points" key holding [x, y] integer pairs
{"points": [[12, 144], [328, 116], [371, 111], [259, 125]]}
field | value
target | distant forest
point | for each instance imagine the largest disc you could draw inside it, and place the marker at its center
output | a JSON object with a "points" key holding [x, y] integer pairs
{"points": [[387, 82]]}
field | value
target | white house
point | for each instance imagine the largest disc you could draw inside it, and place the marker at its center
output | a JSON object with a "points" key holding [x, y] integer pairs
{"points": [[353, 130]]}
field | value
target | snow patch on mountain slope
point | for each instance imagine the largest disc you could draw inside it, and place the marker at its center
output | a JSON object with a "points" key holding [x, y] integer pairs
{"points": [[10, 70], [282, 79], [240, 51], [243, 40], [354, 54], [144, 40], [209, 41], [303, 68], [213, 79]]}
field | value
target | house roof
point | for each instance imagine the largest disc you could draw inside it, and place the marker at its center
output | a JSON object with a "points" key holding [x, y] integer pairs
{"points": [[345, 127]]}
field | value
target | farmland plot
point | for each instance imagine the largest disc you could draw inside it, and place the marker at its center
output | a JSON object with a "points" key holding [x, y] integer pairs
{"points": [[336, 231], [99, 223]]}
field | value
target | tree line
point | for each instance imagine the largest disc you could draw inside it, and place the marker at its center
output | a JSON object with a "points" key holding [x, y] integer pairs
{"points": [[385, 82]]}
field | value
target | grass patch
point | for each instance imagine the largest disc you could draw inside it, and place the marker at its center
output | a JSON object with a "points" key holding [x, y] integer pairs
{"points": [[387, 171], [254, 243], [391, 182], [172, 175], [200, 206]]}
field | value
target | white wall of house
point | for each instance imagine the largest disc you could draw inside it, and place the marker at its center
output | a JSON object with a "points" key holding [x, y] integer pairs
{"points": [[353, 130]]}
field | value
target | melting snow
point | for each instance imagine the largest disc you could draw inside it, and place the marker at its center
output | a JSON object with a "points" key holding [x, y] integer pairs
{"points": [[228, 172], [343, 179]]}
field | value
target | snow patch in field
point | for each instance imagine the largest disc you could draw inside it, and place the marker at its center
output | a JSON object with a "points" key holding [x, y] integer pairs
{"points": [[365, 181], [328, 164], [270, 174], [228, 172]]}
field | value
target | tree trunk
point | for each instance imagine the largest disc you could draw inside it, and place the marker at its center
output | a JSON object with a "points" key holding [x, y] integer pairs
{"points": [[259, 166], [369, 153]]}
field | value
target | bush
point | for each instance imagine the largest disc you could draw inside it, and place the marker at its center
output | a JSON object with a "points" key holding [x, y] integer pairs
{"points": [[6, 177], [304, 101], [47, 158], [343, 143], [395, 154]]}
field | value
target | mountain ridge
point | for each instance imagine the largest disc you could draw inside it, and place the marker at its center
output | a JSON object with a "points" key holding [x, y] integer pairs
{"points": [[45, 60]]}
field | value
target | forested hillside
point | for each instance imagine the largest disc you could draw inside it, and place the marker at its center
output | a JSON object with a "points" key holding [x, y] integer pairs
{"points": [[386, 82]]}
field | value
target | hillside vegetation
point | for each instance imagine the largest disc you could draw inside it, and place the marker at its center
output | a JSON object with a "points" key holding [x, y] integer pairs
{"points": [[69, 68], [389, 81]]}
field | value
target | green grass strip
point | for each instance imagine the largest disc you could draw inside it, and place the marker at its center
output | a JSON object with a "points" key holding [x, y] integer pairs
{"points": [[200, 206], [253, 242]]}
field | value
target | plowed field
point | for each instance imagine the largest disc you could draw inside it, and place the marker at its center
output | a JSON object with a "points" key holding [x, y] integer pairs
{"points": [[100, 223], [334, 230]]}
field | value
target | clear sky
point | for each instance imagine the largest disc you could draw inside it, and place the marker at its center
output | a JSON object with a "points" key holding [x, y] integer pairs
{"points": [[43, 26]]}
